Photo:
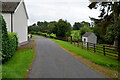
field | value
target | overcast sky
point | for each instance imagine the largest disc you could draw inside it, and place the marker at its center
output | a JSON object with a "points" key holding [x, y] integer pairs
{"points": [[53, 10]]}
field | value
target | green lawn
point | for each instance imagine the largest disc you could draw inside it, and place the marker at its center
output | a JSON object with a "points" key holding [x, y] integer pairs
{"points": [[18, 65], [98, 59], [34, 38]]}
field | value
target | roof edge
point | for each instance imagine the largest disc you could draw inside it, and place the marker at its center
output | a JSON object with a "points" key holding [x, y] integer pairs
{"points": [[22, 1], [18, 6]]}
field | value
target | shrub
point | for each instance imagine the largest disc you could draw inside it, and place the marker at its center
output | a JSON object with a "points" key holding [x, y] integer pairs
{"points": [[13, 43], [9, 42], [5, 40]]}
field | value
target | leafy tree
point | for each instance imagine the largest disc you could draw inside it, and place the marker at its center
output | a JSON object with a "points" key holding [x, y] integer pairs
{"points": [[9, 42], [98, 33], [63, 28], [87, 24], [5, 40], [77, 26], [77, 36], [85, 29], [51, 27], [110, 12]]}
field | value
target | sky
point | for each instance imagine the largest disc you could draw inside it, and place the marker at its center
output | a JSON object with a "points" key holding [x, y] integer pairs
{"points": [[53, 10]]}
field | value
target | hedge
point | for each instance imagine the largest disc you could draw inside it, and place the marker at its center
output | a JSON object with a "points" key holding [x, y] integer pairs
{"points": [[13, 43], [9, 42]]}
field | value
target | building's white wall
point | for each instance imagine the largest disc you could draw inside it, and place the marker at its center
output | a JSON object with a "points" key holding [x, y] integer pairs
{"points": [[7, 18], [85, 44], [20, 23], [92, 38], [84, 38]]}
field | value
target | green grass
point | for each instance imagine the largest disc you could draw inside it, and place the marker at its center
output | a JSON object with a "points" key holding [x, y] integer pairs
{"points": [[72, 32], [97, 59], [34, 38], [54, 35], [18, 65]]}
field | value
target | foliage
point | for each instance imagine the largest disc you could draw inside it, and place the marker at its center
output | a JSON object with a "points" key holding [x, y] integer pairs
{"points": [[63, 28], [85, 29], [9, 42], [76, 36], [113, 32], [18, 65], [51, 28], [13, 43], [98, 33], [5, 41], [84, 23], [109, 18], [77, 26], [39, 27]]}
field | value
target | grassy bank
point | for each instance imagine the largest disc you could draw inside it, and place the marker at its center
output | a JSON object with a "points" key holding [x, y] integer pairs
{"points": [[34, 38], [18, 65], [95, 58]]}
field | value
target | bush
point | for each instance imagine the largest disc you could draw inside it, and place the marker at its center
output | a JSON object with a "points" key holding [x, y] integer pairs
{"points": [[5, 40], [13, 43], [9, 42]]}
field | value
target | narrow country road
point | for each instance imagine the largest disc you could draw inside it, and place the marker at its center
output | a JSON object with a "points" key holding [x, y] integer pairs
{"points": [[52, 61]]}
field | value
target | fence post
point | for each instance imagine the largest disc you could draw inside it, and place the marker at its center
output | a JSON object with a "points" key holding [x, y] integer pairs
{"points": [[94, 48], [71, 39], [104, 50], [87, 46]]}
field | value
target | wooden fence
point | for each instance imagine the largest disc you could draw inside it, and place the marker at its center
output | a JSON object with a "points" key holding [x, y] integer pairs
{"points": [[105, 50]]}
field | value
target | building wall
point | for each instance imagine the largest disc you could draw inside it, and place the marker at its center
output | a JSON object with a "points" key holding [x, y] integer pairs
{"points": [[84, 44], [85, 38], [7, 18], [92, 38], [20, 23]]}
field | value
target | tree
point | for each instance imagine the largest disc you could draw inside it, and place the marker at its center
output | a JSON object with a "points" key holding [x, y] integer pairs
{"points": [[87, 24], [5, 40], [110, 12], [77, 26], [98, 32], [51, 27], [85, 29], [77, 36], [63, 28]]}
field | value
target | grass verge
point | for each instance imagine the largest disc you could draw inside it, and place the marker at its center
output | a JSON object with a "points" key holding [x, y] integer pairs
{"points": [[18, 65], [95, 58], [34, 38]]}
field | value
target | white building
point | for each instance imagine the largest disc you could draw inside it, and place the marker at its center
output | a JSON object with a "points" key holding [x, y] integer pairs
{"points": [[16, 18], [89, 37]]}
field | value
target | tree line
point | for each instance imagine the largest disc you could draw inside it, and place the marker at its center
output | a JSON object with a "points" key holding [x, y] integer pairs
{"points": [[62, 28]]}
